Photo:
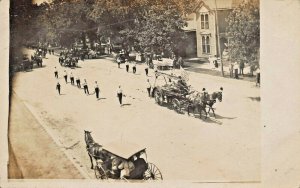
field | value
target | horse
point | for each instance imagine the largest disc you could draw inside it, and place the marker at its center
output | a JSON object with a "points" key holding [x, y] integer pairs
{"points": [[196, 102], [94, 149], [212, 100]]}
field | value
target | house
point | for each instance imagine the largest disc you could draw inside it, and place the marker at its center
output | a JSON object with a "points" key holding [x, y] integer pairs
{"points": [[202, 27]]}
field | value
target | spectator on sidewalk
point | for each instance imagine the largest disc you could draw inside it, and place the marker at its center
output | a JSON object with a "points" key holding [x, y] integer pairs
{"points": [[97, 90], [85, 87], [78, 82], [231, 69], [257, 77], [120, 95], [55, 72], [66, 76], [242, 66], [58, 87], [149, 88], [236, 70]]}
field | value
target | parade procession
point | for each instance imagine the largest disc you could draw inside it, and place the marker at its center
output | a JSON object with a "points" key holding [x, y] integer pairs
{"points": [[94, 84]]}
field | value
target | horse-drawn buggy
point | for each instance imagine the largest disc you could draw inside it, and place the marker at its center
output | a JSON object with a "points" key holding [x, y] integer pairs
{"points": [[181, 97], [68, 60], [120, 161]]}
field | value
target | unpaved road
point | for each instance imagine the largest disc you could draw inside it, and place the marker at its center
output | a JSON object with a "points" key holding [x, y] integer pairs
{"points": [[221, 149]]}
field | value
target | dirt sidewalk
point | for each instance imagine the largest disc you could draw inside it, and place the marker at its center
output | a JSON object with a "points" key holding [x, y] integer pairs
{"points": [[33, 154]]}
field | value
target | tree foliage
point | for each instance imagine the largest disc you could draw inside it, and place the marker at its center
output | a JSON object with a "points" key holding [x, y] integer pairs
{"points": [[244, 32], [143, 24]]}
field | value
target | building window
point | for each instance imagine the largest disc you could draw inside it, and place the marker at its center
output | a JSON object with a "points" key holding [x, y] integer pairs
{"points": [[204, 21], [205, 44]]}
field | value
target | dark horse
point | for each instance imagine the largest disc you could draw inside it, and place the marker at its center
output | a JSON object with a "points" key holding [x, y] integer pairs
{"points": [[196, 102], [212, 99], [94, 149]]}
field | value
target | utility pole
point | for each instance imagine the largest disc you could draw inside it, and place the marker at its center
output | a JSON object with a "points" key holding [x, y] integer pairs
{"points": [[218, 38]]}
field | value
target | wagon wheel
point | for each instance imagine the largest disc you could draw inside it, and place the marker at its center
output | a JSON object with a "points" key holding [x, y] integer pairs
{"points": [[100, 173], [152, 173], [158, 97], [176, 105]]}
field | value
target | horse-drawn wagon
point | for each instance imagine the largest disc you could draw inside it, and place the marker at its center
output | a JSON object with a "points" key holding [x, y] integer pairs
{"points": [[119, 161], [181, 97]]}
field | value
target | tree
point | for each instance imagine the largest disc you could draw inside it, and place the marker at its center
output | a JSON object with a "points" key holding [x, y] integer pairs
{"points": [[244, 32]]}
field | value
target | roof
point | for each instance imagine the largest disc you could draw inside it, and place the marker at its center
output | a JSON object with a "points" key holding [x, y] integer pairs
{"points": [[219, 4], [123, 149]]}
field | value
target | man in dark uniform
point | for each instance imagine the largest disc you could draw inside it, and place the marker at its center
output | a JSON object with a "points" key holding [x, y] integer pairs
{"points": [[58, 87], [85, 87], [146, 70], [97, 90]]}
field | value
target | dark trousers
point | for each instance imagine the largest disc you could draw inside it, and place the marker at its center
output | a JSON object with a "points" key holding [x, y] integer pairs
{"points": [[241, 71], [127, 68], [120, 97], [56, 74], [78, 83], [58, 89], [66, 77], [146, 70], [86, 89], [72, 80], [97, 92], [119, 64], [236, 71], [134, 69], [149, 89]]}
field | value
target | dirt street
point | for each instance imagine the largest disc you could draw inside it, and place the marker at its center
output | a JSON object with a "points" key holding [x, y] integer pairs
{"points": [[221, 149]]}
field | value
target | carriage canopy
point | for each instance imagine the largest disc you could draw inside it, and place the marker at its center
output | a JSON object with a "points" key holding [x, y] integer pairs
{"points": [[123, 149]]}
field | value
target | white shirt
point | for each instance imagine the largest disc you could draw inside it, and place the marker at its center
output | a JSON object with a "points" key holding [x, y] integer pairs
{"points": [[66, 74], [119, 90], [96, 86], [148, 85]]}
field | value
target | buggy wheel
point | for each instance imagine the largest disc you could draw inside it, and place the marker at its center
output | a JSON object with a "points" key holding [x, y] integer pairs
{"points": [[158, 97], [152, 173], [176, 105], [100, 173]]}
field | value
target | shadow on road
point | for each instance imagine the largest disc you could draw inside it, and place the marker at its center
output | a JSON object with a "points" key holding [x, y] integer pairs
{"points": [[255, 99]]}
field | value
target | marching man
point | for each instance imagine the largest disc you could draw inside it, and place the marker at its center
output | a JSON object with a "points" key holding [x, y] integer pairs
{"points": [[58, 87], [66, 76], [97, 90], [55, 72], [148, 87], [120, 95], [85, 87]]}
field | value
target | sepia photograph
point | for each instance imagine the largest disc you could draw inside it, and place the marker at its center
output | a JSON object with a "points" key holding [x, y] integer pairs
{"points": [[135, 90]]}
